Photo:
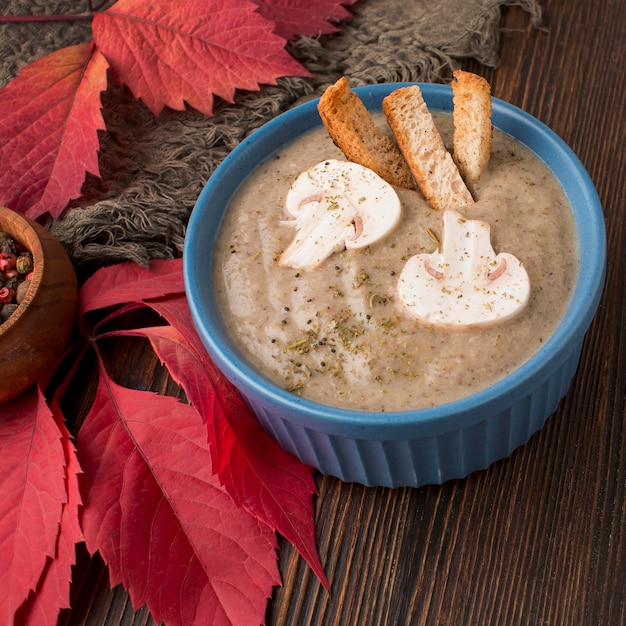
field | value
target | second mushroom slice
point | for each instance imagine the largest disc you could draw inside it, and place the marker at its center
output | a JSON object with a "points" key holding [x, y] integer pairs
{"points": [[466, 284], [337, 205]]}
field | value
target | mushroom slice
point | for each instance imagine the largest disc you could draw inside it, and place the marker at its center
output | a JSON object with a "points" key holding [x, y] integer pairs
{"points": [[467, 284], [337, 205]]}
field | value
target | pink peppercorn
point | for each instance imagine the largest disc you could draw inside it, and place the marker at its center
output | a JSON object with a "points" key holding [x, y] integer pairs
{"points": [[7, 295], [12, 273], [7, 261]]}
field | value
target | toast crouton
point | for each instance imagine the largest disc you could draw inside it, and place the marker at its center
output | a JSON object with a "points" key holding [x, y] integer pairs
{"points": [[473, 131], [421, 144], [353, 131]]}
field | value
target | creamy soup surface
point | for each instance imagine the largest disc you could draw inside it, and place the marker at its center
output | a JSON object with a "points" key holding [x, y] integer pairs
{"points": [[339, 334]]}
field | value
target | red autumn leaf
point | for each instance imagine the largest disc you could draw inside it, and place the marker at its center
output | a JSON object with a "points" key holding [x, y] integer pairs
{"points": [[260, 476], [53, 590], [32, 496], [174, 52], [257, 473], [154, 511], [48, 130], [129, 282], [169, 53], [304, 17]]}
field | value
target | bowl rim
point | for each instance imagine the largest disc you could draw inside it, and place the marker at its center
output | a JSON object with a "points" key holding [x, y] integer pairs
{"points": [[498, 397]]}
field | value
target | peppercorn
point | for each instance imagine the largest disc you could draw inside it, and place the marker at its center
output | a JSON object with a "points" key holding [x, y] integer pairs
{"points": [[16, 271], [21, 291], [12, 281], [7, 261], [12, 273], [24, 263], [7, 295], [7, 310], [8, 246]]}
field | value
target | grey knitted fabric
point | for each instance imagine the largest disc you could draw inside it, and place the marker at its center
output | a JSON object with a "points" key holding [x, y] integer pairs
{"points": [[153, 169]]}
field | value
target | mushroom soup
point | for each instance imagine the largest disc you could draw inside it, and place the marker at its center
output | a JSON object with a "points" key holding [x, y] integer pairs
{"points": [[340, 333]]}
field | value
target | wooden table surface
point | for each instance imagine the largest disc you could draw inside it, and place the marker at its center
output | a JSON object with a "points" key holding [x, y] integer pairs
{"points": [[538, 538]]}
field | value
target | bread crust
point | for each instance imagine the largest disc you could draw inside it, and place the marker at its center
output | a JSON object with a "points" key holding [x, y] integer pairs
{"points": [[421, 144], [353, 131], [473, 131]]}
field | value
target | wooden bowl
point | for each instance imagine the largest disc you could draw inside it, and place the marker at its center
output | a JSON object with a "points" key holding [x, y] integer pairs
{"points": [[38, 331]]}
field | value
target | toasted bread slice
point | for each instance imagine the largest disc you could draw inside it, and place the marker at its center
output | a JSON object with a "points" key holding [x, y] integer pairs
{"points": [[419, 140], [353, 131], [473, 131]]}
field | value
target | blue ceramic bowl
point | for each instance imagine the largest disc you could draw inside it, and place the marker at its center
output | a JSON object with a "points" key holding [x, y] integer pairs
{"points": [[414, 447]]}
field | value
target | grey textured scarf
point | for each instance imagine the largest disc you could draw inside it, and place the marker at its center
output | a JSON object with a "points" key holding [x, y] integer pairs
{"points": [[152, 170]]}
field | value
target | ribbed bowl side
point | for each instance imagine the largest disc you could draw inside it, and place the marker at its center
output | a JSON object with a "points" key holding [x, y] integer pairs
{"points": [[425, 460]]}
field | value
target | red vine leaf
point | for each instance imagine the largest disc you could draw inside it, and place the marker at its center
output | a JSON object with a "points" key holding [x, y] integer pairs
{"points": [[48, 130], [53, 590], [264, 479], [186, 51], [259, 475], [129, 282], [33, 493], [154, 511], [303, 17]]}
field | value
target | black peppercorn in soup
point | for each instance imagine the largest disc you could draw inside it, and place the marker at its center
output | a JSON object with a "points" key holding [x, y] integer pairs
{"points": [[340, 334]]}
